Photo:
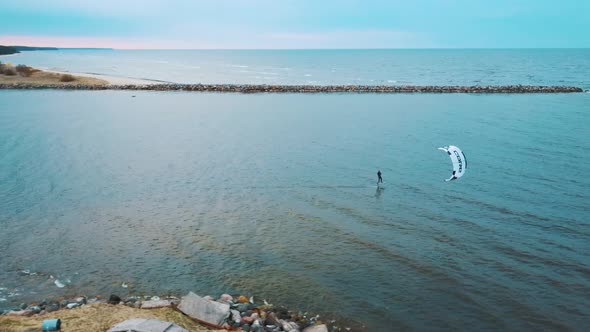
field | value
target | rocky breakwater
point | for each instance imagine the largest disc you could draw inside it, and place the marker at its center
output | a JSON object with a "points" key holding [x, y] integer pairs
{"points": [[252, 88]]}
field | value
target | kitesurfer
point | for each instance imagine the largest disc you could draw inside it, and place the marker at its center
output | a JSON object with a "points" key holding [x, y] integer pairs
{"points": [[379, 178]]}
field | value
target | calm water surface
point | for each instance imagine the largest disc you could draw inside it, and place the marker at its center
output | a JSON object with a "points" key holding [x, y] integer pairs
{"points": [[274, 195]]}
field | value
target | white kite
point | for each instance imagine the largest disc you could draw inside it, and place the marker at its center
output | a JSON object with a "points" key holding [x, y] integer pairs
{"points": [[458, 159]]}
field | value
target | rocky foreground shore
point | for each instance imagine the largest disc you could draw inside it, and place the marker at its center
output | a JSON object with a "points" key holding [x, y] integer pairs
{"points": [[252, 88], [238, 313]]}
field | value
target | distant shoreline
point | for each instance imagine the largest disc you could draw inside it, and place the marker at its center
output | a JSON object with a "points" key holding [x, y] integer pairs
{"points": [[10, 50]]}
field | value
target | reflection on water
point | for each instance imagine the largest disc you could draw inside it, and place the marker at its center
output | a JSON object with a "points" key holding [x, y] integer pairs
{"points": [[379, 191]]}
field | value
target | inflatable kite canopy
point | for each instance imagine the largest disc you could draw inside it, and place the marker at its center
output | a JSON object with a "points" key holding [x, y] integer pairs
{"points": [[458, 159]]}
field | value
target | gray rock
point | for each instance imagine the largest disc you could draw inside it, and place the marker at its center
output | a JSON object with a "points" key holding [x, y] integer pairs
{"points": [[23, 306], [93, 300], [246, 327], [316, 328], [235, 316], [271, 319], [289, 326], [72, 305], [52, 307], [283, 313], [130, 303], [114, 299], [224, 298], [155, 304], [80, 300], [207, 311], [256, 326], [146, 325], [64, 303], [243, 307], [36, 309]]}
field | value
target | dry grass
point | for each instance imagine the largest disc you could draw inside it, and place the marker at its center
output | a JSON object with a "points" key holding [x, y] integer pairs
{"points": [[66, 78], [98, 317], [41, 77], [25, 71]]}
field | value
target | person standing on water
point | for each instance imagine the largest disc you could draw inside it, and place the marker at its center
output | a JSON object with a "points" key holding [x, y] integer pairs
{"points": [[379, 178]]}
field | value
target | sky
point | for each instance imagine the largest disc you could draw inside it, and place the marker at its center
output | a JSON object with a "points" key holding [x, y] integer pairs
{"points": [[296, 24]]}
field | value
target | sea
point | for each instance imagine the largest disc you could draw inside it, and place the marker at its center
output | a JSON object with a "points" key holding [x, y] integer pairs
{"points": [[275, 195]]}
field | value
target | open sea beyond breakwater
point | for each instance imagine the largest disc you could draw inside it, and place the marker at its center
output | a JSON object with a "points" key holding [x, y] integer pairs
{"points": [[556, 67]]}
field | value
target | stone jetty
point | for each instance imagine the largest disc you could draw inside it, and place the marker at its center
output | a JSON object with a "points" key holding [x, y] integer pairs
{"points": [[254, 88]]}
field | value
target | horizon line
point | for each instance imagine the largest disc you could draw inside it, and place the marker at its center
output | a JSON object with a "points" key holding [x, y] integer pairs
{"points": [[304, 49]]}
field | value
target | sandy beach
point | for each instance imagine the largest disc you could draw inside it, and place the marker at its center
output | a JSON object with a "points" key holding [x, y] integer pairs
{"points": [[112, 80], [40, 75]]}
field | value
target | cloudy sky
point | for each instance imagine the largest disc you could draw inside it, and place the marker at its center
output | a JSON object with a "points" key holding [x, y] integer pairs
{"points": [[277, 24]]}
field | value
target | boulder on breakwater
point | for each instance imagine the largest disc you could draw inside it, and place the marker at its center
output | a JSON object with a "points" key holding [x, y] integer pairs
{"points": [[253, 88]]}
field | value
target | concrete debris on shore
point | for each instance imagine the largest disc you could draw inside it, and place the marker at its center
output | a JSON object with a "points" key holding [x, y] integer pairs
{"points": [[244, 313], [237, 313], [253, 88]]}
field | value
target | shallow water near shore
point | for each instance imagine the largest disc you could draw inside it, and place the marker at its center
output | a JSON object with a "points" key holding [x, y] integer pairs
{"points": [[274, 195]]}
